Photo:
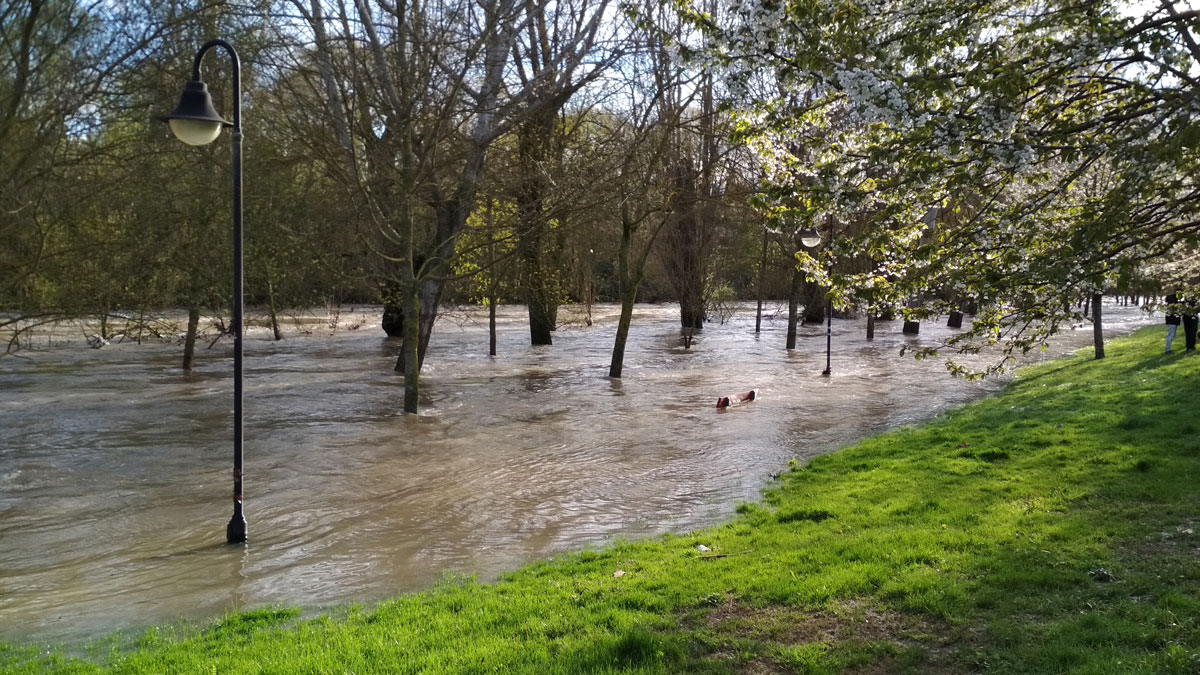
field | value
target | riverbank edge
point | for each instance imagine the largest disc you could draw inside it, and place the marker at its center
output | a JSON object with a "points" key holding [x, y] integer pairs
{"points": [[1048, 528]]}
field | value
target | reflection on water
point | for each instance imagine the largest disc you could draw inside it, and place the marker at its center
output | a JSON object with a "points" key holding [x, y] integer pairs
{"points": [[115, 465]]}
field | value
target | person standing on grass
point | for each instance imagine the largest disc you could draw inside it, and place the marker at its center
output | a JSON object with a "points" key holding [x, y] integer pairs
{"points": [[1172, 318], [1189, 320]]}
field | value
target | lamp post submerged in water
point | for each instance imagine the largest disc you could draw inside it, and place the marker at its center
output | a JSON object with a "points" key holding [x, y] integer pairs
{"points": [[811, 238], [829, 315], [195, 122]]}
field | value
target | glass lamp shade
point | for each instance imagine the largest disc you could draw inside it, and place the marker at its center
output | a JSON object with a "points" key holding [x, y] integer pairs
{"points": [[810, 237], [195, 121], [195, 132]]}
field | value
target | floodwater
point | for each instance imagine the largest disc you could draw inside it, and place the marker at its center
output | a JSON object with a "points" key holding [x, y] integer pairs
{"points": [[115, 466]]}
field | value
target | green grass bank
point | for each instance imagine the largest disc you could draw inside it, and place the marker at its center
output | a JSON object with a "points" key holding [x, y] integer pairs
{"points": [[1051, 528]]}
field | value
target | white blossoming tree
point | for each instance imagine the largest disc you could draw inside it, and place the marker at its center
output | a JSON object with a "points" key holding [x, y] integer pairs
{"points": [[1015, 153]]}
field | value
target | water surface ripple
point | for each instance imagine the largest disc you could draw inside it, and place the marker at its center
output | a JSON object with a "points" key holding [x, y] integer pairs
{"points": [[115, 464]]}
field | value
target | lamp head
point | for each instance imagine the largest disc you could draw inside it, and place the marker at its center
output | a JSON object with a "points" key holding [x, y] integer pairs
{"points": [[195, 121], [809, 237]]}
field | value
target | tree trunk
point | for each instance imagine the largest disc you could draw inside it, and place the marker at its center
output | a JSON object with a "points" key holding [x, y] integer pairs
{"points": [[627, 287], [410, 353], [617, 365], [762, 270], [794, 306], [541, 317], [870, 325], [393, 311], [271, 308], [687, 267], [691, 314], [492, 326], [189, 342], [430, 295], [814, 305], [1097, 325], [493, 292], [534, 141], [393, 320], [589, 292], [686, 246]]}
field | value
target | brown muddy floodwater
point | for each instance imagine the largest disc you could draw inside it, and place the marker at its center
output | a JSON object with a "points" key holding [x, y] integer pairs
{"points": [[115, 465]]}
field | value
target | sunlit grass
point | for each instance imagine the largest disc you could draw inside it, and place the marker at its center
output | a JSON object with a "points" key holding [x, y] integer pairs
{"points": [[1051, 528]]}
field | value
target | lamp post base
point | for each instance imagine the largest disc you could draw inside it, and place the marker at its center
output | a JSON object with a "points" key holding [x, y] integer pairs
{"points": [[235, 532]]}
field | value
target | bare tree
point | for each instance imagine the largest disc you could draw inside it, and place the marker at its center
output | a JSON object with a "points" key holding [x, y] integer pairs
{"points": [[699, 175], [59, 66], [541, 141], [653, 95], [422, 91]]}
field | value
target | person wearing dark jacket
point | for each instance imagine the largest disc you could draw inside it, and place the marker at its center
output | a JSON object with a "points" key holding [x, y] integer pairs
{"points": [[1172, 318], [1189, 321]]}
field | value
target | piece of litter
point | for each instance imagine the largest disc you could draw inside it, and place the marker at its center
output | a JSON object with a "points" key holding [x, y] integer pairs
{"points": [[618, 574], [702, 548]]}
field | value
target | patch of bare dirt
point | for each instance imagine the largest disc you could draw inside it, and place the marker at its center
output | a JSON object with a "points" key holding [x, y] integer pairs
{"points": [[1183, 539], [928, 642]]}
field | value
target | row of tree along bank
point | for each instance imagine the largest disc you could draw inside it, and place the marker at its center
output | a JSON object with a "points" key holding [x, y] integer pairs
{"points": [[549, 152]]}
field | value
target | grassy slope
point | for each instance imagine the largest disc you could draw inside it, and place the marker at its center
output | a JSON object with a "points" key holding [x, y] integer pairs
{"points": [[1047, 529]]}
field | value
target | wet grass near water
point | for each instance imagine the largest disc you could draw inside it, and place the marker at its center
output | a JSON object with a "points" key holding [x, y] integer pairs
{"points": [[1048, 529]]}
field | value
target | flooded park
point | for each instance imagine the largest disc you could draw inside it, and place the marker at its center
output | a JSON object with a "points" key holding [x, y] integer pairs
{"points": [[115, 464]]}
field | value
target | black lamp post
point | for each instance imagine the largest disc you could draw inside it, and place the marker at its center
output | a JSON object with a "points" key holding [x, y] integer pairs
{"points": [[829, 316], [196, 122], [811, 238]]}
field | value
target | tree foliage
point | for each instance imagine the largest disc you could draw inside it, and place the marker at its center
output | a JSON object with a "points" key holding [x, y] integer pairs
{"points": [[1019, 154]]}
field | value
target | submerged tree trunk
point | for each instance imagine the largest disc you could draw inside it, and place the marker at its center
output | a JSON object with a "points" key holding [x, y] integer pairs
{"points": [[814, 303], [1097, 326], [589, 291], [492, 326], [428, 295], [627, 283], [393, 320], [271, 308], [617, 366], [493, 295], [542, 316], [539, 262], [794, 306], [685, 264], [762, 270], [408, 361], [189, 342], [688, 238]]}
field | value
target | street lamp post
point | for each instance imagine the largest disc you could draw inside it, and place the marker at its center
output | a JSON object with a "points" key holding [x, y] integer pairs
{"points": [[811, 238], [829, 316], [195, 122]]}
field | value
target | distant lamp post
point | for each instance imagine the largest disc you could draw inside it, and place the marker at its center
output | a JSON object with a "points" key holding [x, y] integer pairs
{"points": [[196, 122], [829, 316], [811, 238]]}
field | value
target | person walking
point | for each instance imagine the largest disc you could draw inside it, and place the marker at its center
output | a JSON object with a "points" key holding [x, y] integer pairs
{"points": [[1172, 318]]}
